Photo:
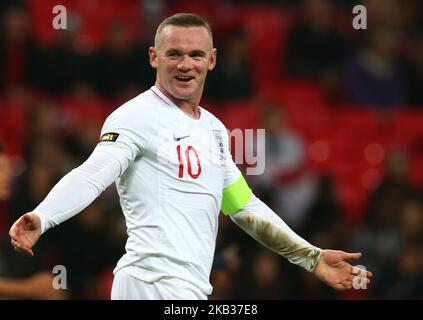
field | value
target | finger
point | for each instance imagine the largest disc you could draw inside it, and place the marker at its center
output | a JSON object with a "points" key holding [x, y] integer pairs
{"points": [[16, 227], [29, 252], [352, 256], [362, 273], [358, 271], [24, 250], [341, 286], [347, 284], [13, 232], [15, 244], [19, 247], [362, 281], [338, 287]]}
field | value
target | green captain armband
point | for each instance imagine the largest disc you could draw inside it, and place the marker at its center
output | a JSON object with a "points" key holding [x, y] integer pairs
{"points": [[236, 196]]}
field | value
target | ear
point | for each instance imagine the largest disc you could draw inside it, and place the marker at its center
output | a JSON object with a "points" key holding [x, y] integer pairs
{"points": [[213, 59], [153, 57]]}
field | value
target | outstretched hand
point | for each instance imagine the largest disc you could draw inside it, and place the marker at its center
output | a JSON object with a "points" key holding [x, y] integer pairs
{"points": [[334, 270], [25, 233]]}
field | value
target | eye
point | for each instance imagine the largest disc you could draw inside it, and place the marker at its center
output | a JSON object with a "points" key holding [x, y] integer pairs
{"points": [[197, 55], [173, 54]]}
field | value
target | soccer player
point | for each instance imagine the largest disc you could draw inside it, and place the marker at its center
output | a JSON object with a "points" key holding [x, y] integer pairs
{"points": [[174, 173]]}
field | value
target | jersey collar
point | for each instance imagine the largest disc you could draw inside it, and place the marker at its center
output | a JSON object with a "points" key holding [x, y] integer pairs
{"points": [[161, 96], [156, 91]]}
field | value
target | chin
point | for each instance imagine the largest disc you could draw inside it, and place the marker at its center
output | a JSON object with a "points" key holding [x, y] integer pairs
{"points": [[183, 94]]}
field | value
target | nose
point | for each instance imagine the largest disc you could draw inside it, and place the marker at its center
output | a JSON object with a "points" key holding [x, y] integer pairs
{"points": [[184, 64]]}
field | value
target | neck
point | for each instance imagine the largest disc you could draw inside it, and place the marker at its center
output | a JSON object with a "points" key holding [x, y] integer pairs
{"points": [[191, 109], [188, 106]]}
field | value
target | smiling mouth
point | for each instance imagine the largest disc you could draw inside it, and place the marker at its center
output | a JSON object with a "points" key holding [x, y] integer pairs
{"points": [[184, 78]]}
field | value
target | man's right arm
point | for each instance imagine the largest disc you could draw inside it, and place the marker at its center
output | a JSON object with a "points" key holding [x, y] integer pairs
{"points": [[80, 187], [75, 191]]}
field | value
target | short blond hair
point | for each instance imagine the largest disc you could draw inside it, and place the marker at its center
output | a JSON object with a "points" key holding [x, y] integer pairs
{"points": [[183, 20]]}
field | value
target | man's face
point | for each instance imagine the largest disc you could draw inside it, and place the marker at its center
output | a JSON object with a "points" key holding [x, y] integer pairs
{"points": [[182, 57], [4, 178]]}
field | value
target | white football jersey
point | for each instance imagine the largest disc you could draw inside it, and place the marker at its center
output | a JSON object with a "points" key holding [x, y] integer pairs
{"points": [[171, 193]]}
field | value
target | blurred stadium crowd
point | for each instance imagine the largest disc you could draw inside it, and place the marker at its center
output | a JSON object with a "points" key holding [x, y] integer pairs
{"points": [[342, 109]]}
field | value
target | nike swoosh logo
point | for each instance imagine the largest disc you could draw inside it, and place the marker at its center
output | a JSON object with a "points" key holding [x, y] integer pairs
{"points": [[179, 138]]}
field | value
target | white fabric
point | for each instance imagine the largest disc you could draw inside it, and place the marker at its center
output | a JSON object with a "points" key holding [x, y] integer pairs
{"points": [[127, 287], [172, 221], [81, 186], [292, 246]]}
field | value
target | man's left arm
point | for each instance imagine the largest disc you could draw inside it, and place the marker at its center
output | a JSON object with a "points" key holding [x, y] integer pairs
{"points": [[265, 226]]}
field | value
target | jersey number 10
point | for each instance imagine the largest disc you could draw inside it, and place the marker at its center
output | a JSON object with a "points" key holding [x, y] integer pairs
{"points": [[188, 160]]}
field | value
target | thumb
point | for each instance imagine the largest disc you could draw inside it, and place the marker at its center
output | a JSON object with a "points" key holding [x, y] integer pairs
{"points": [[29, 221], [352, 256], [28, 217]]}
